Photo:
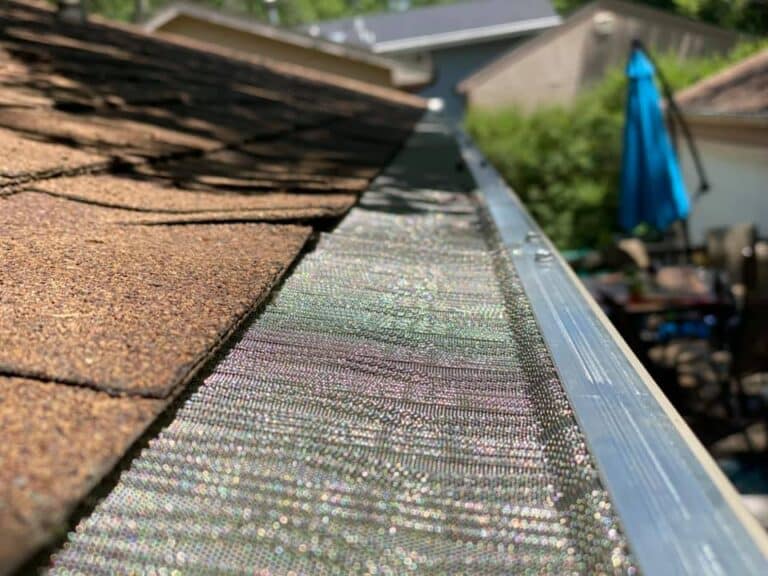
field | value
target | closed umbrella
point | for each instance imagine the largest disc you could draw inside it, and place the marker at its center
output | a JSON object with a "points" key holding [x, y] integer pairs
{"points": [[652, 187]]}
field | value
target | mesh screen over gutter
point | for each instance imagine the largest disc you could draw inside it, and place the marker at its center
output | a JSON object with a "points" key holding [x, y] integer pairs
{"points": [[394, 409]]}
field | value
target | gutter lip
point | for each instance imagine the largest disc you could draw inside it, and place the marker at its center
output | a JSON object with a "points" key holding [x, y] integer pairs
{"points": [[679, 512]]}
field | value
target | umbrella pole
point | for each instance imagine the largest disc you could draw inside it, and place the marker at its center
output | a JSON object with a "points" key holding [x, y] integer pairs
{"points": [[674, 113], [686, 241]]}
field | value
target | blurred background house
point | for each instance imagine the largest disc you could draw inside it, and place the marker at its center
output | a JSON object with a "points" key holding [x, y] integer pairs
{"points": [[728, 116], [557, 65], [257, 38], [455, 40]]}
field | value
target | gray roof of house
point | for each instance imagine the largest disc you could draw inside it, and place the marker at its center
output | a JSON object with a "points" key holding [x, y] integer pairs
{"points": [[448, 24]]}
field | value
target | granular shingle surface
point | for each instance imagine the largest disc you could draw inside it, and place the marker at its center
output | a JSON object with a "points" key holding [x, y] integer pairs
{"points": [[58, 441], [44, 209], [113, 136], [31, 210], [144, 196], [118, 282], [131, 308], [327, 211], [23, 158], [186, 115], [235, 169]]}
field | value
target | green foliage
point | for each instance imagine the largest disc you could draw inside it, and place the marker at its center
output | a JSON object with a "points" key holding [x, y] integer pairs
{"points": [[746, 15], [561, 162], [749, 16], [292, 12], [565, 162]]}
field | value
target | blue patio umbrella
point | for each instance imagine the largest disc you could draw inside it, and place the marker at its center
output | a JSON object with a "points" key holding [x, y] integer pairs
{"points": [[652, 187]]}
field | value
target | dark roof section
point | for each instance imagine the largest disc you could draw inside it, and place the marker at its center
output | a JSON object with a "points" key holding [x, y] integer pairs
{"points": [[448, 24], [739, 90], [152, 192]]}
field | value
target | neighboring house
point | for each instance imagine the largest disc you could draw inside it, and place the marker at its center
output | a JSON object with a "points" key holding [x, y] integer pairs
{"points": [[455, 39], [728, 116], [556, 66], [245, 34]]}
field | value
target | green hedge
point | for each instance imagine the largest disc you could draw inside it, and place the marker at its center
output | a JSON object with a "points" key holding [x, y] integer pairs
{"points": [[565, 162]]}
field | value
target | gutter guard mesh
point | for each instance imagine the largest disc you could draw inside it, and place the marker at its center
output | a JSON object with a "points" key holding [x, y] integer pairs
{"points": [[394, 409]]}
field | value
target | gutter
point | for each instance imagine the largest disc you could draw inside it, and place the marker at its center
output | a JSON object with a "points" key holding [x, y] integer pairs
{"points": [[680, 513]]}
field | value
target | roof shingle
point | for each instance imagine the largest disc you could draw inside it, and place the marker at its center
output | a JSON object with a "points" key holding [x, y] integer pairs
{"points": [[108, 136], [147, 196], [58, 442], [131, 309]]}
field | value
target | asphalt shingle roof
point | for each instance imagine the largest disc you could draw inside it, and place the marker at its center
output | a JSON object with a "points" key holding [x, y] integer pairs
{"points": [[108, 136]]}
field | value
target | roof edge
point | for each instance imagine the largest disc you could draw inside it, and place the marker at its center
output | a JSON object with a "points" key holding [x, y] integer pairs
{"points": [[470, 36], [703, 116], [247, 24], [736, 129], [687, 95]]}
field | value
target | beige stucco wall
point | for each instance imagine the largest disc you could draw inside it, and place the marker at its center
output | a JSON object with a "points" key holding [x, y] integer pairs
{"points": [[737, 169], [555, 69], [549, 73], [277, 50]]}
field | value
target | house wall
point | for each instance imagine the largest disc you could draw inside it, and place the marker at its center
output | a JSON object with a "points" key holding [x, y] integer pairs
{"points": [[452, 65], [550, 73], [277, 50], [738, 174], [555, 67]]}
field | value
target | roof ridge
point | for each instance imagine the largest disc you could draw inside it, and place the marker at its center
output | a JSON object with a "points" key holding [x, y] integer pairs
{"points": [[689, 94]]}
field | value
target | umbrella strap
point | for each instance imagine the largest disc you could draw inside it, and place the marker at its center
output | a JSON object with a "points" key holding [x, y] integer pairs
{"points": [[678, 115]]}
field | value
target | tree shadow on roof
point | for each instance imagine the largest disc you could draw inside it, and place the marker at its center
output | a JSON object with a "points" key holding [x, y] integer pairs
{"points": [[142, 99]]}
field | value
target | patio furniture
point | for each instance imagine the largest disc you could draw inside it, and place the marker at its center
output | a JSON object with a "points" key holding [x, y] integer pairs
{"points": [[728, 250]]}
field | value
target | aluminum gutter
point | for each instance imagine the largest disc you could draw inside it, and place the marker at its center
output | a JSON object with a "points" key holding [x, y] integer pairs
{"points": [[680, 513]]}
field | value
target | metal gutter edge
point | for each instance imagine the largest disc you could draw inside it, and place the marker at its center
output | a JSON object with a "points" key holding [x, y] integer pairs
{"points": [[679, 512]]}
